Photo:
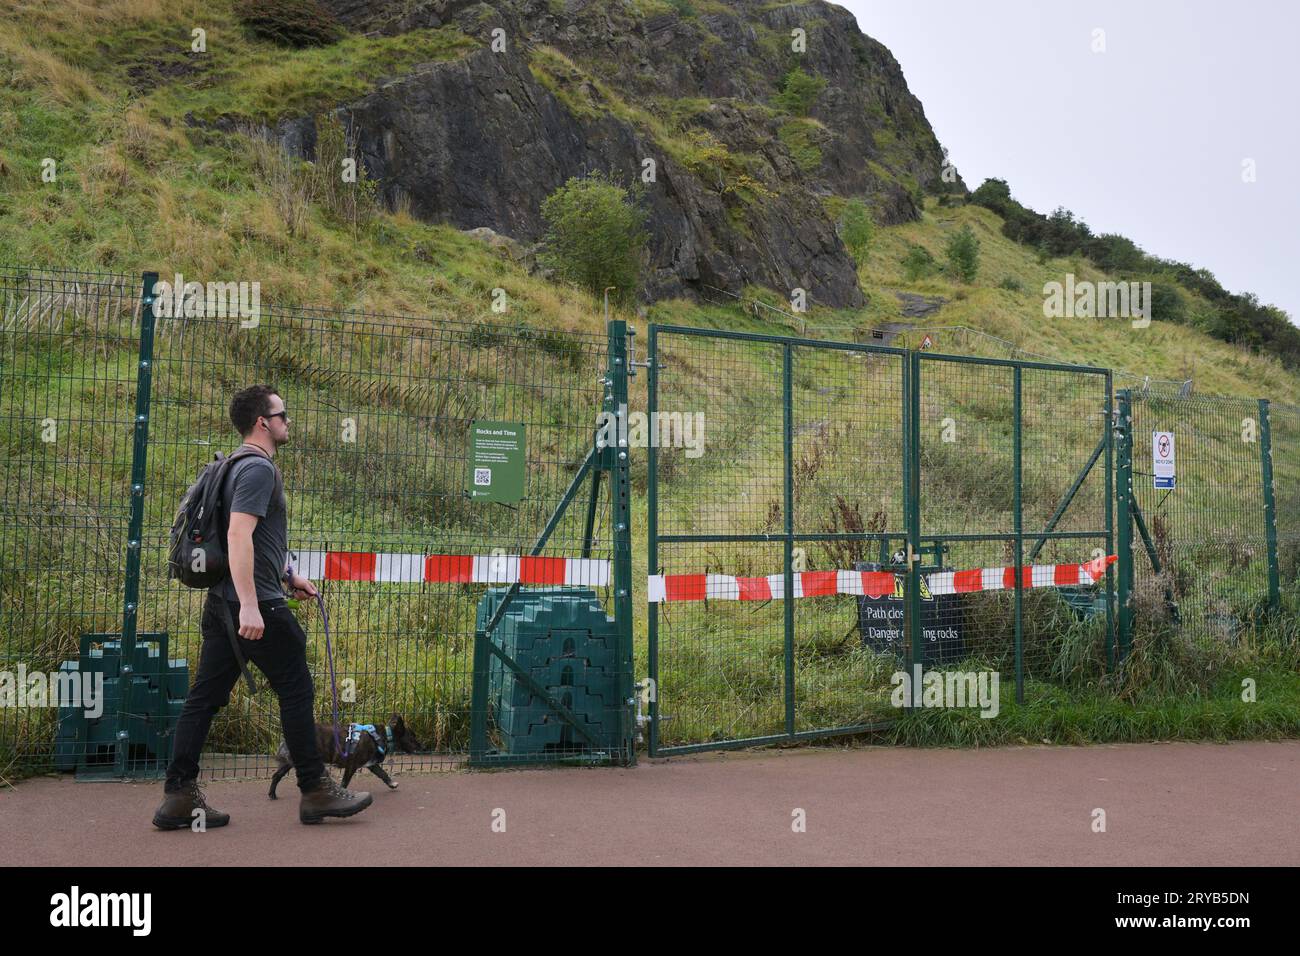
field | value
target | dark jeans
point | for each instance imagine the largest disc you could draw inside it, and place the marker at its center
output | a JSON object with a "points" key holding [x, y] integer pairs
{"points": [[281, 655]]}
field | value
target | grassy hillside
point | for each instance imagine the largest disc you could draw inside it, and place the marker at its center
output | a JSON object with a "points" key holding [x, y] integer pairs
{"points": [[139, 187]]}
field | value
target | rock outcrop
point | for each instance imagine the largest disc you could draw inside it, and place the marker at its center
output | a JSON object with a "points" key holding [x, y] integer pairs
{"points": [[743, 189]]}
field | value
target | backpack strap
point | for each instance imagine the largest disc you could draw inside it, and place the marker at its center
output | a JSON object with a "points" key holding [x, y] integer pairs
{"points": [[234, 645], [243, 451]]}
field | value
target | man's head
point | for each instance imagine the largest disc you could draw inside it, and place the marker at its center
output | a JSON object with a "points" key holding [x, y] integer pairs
{"points": [[258, 413]]}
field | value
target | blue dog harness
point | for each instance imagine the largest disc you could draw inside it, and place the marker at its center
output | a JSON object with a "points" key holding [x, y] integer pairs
{"points": [[382, 740]]}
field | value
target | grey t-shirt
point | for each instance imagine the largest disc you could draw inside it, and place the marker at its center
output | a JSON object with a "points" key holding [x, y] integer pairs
{"points": [[251, 488]]}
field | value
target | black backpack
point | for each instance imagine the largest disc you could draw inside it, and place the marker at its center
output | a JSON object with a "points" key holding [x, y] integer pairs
{"points": [[197, 553]]}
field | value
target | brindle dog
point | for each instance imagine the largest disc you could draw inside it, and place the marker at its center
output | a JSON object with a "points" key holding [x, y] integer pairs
{"points": [[363, 752]]}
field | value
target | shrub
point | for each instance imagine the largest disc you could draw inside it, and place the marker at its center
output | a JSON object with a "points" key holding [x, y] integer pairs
{"points": [[918, 263], [1011, 284], [596, 235], [1167, 303], [292, 23], [709, 159], [963, 252], [355, 203], [993, 194], [856, 228]]}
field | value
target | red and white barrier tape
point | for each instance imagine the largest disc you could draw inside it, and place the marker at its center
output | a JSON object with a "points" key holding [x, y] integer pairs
{"points": [[873, 584], [450, 568]]}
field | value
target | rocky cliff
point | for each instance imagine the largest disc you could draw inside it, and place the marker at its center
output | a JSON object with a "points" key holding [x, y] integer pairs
{"points": [[745, 181]]}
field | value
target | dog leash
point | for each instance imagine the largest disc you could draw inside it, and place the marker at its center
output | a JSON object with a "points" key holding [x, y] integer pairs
{"points": [[329, 655]]}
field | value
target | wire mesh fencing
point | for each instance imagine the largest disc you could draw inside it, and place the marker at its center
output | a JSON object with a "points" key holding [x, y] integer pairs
{"points": [[378, 482], [1285, 446], [67, 383], [796, 480], [1014, 466], [779, 555], [1203, 555]]}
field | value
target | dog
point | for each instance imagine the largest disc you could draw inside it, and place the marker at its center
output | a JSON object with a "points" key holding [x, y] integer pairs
{"points": [[363, 750]]}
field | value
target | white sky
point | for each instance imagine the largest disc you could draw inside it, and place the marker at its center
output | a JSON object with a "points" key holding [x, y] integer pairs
{"points": [[1146, 139]]}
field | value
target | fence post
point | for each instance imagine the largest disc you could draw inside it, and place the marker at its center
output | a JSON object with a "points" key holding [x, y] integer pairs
{"points": [[620, 490], [652, 533], [135, 523], [787, 438], [480, 687], [912, 505], [1270, 506], [1017, 483], [1124, 520], [1109, 425]]}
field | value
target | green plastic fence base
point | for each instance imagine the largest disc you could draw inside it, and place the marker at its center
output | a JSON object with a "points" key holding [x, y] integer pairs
{"points": [[154, 686]]}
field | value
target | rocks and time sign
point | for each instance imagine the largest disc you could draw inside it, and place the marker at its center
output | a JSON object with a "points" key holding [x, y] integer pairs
{"points": [[497, 456]]}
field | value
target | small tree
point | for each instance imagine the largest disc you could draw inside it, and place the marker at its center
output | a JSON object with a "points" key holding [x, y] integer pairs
{"points": [[596, 236], [856, 228], [963, 251], [799, 92]]}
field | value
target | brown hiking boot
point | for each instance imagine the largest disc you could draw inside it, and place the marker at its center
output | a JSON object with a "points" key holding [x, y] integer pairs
{"points": [[331, 800], [178, 810]]}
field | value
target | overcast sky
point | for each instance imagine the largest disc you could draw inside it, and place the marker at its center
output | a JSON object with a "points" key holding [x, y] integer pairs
{"points": [[1146, 139]]}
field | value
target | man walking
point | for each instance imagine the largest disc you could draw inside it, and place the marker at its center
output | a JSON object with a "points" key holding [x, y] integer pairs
{"points": [[268, 633]]}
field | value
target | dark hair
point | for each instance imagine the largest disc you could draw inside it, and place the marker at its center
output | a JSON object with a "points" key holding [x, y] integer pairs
{"points": [[248, 405]]}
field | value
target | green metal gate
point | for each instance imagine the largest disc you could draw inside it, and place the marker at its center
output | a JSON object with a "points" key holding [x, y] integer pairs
{"points": [[1014, 464], [820, 460]]}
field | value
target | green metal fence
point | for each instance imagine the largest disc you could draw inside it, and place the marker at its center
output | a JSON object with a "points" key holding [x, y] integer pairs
{"points": [[824, 459], [1285, 453], [1217, 551], [376, 478], [781, 466], [68, 372]]}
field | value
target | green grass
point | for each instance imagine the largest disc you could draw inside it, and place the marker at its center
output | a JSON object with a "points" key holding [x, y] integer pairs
{"points": [[1052, 715], [271, 84], [800, 137]]}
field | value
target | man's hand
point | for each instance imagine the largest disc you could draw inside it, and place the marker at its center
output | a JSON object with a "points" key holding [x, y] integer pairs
{"points": [[250, 622], [302, 587]]}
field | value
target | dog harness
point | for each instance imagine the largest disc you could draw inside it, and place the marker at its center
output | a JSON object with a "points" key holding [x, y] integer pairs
{"points": [[382, 740]]}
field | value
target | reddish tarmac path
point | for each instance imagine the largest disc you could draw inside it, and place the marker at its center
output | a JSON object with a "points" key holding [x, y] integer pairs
{"points": [[1173, 804]]}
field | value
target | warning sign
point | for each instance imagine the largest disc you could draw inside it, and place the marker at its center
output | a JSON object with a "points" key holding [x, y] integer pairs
{"points": [[880, 622], [496, 461], [1162, 459], [927, 343]]}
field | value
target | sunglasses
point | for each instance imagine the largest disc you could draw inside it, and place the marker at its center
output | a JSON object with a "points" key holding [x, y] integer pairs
{"points": [[282, 414]]}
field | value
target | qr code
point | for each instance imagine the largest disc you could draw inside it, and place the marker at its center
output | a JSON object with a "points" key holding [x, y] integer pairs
{"points": [[482, 476]]}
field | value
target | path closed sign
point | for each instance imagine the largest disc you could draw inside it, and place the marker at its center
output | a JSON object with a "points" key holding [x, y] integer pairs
{"points": [[1162, 459], [880, 622], [496, 461]]}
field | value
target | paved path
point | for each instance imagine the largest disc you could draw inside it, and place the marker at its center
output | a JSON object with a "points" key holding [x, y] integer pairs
{"points": [[1180, 804]]}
